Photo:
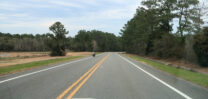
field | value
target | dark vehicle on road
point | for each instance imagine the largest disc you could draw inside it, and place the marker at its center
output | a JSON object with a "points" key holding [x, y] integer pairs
{"points": [[93, 54]]}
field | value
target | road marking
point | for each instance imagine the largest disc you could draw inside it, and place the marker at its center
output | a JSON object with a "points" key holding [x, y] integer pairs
{"points": [[174, 89], [75, 83], [62, 65], [88, 74], [84, 81]]}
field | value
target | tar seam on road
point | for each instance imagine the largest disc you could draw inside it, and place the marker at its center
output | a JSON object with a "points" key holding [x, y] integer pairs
{"points": [[164, 83], [62, 65], [83, 80]]}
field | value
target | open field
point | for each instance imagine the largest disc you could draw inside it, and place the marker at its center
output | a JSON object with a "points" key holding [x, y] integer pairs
{"points": [[197, 78], [14, 58], [12, 55], [30, 65], [17, 61]]}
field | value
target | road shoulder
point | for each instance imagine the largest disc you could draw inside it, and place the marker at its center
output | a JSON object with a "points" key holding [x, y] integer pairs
{"points": [[173, 80]]}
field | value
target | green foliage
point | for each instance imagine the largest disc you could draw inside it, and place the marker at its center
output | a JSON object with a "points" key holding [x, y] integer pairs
{"points": [[147, 26], [6, 44], [137, 31], [150, 31], [23, 42], [84, 41], [188, 16], [189, 53], [58, 41], [96, 41], [201, 47], [167, 47]]}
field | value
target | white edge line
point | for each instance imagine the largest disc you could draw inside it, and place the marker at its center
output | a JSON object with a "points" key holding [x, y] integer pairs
{"points": [[3, 81], [174, 89]]}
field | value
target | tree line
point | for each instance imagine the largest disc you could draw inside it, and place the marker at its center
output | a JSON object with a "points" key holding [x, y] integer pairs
{"points": [[57, 41], [150, 32], [23, 42], [96, 41]]}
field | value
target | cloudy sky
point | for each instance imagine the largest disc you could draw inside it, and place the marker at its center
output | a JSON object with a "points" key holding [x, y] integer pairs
{"points": [[35, 16]]}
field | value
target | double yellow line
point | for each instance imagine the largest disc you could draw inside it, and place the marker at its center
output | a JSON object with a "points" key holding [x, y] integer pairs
{"points": [[81, 81]]}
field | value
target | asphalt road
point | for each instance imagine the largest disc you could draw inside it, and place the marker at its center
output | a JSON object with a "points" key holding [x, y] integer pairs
{"points": [[106, 76]]}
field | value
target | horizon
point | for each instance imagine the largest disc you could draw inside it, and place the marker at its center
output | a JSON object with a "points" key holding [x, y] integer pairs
{"points": [[36, 16]]}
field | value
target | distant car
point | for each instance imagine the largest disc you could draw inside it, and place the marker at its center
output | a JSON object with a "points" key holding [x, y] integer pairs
{"points": [[93, 54]]}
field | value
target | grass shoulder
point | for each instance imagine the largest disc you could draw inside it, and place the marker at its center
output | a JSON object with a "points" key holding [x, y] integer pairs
{"points": [[198, 78], [26, 66]]}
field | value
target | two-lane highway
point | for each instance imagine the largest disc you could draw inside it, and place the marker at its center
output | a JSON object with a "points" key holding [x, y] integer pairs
{"points": [[107, 76]]}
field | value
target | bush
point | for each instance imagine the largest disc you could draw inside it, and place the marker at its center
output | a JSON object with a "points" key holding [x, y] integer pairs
{"points": [[166, 47], [57, 52], [201, 47], [189, 53]]}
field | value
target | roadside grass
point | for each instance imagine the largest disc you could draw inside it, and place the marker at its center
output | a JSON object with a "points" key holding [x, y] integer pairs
{"points": [[194, 77], [20, 67], [99, 52]]}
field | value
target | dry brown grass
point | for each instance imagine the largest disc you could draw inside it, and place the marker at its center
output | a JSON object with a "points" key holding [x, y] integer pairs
{"points": [[13, 58], [22, 54]]}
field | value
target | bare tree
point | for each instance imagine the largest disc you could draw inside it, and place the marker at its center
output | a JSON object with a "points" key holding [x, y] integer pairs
{"points": [[94, 45]]}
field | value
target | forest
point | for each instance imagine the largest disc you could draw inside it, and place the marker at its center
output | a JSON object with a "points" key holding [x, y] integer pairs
{"points": [[151, 33]]}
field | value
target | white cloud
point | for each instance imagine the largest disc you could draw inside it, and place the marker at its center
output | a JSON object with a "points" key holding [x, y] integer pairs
{"points": [[2, 16], [13, 6], [116, 1], [89, 2], [13, 16], [116, 14], [19, 15], [106, 15], [7, 6], [68, 4]]}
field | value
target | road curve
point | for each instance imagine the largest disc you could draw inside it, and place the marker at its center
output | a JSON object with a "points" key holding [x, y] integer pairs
{"points": [[107, 76]]}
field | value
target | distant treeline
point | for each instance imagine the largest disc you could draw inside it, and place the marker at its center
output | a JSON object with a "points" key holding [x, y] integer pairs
{"points": [[23, 42], [96, 40], [84, 41], [150, 31]]}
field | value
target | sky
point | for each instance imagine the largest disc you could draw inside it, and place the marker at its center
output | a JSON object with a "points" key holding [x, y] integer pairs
{"points": [[36, 16]]}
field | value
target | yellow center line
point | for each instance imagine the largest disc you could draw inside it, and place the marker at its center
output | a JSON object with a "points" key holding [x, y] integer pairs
{"points": [[83, 82], [82, 77], [74, 84]]}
